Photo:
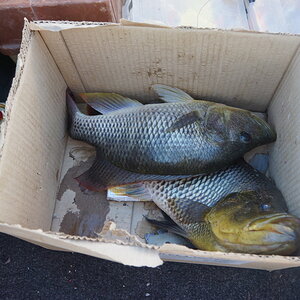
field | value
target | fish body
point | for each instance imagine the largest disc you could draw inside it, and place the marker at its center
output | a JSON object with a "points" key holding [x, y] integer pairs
{"points": [[204, 189], [136, 139], [184, 136], [214, 211]]}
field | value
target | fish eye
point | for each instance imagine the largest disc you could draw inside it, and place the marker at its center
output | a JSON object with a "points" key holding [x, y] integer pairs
{"points": [[265, 207], [245, 137]]}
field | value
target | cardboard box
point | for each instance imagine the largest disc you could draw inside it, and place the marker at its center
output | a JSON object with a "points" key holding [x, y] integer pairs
{"points": [[256, 71]]}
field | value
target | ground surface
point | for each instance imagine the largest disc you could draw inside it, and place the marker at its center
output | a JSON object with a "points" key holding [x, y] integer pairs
{"points": [[31, 272]]}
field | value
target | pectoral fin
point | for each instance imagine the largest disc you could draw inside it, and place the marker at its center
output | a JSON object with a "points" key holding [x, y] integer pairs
{"points": [[168, 224], [185, 120], [135, 190], [187, 210], [215, 123], [170, 94], [108, 102]]}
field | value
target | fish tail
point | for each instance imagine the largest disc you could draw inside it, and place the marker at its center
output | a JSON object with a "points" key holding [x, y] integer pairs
{"points": [[73, 114], [73, 110]]}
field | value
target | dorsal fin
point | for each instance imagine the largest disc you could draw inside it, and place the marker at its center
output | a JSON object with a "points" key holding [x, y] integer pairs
{"points": [[170, 94], [108, 102]]}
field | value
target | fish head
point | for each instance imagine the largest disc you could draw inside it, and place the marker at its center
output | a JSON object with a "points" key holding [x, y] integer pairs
{"points": [[238, 127], [247, 129], [244, 222]]}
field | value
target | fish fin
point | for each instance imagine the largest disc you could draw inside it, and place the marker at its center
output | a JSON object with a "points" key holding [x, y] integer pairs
{"points": [[136, 190], [108, 102], [192, 211], [103, 175], [170, 94], [73, 110], [168, 224], [73, 114], [185, 120]]}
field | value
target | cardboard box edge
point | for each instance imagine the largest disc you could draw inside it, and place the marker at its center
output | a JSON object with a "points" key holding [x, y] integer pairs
{"points": [[65, 25], [131, 256]]}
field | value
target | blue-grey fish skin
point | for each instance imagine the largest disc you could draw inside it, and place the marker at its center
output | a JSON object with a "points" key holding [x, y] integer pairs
{"points": [[171, 196], [138, 139]]}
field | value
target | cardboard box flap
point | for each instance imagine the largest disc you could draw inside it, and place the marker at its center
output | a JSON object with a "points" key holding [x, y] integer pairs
{"points": [[125, 22], [138, 256], [264, 262], [64, 60], [202, 62], [65, 25], [33, 141], [284, 114], [125, 254]]}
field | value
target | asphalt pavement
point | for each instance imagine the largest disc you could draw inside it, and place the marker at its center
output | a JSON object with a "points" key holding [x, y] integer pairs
{"points": [[32, 272]]}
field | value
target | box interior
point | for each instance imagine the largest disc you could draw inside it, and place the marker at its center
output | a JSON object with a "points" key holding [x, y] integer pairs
{"points": [[254, 71]]}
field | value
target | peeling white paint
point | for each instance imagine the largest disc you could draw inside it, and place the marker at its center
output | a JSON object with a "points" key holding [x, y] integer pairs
{"points": [[66, 204]]}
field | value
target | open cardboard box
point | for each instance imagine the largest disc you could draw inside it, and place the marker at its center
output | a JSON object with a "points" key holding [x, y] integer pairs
{"points": [[256, 71]]}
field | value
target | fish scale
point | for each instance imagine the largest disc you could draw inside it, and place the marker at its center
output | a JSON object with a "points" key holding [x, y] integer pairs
{"points": [[145, 139], [236, 209], [149, 141], [208, 189]]}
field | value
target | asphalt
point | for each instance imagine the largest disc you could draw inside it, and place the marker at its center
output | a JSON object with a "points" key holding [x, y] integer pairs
{"points": [[31, 272]]}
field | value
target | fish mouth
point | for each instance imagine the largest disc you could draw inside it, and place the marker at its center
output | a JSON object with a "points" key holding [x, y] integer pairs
{"points": [[270, 132], [277, 234], [281, 224]]}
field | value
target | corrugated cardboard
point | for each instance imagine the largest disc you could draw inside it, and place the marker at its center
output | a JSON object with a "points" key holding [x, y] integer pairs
{"points": [[251, 70]]}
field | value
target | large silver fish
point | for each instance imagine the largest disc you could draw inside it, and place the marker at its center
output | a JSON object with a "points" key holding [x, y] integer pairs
{"points": [[235, 209], [181, 137]]}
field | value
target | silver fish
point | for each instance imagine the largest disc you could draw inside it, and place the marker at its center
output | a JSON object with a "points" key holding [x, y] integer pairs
{"points": [[181, 137]]}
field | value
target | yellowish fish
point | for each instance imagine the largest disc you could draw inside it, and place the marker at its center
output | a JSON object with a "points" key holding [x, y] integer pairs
{"points": [[236, 209]]}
